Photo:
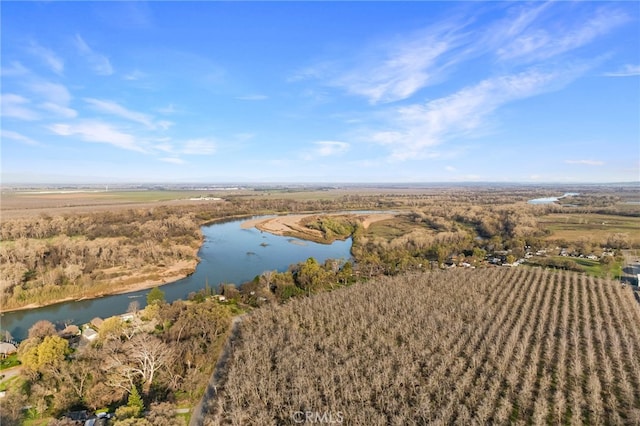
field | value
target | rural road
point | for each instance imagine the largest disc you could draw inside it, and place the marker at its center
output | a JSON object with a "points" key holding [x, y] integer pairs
{"points": [[217, 378], [9, 373], [631, 267]]}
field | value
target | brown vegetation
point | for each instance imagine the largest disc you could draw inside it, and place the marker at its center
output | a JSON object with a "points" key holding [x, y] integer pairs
{"points": [[492, 346], [165, 351], [52, 258], [48, 258]]}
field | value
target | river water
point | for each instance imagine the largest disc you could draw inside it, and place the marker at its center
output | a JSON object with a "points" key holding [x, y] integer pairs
{"points": [[229, 254], [551, 200]]}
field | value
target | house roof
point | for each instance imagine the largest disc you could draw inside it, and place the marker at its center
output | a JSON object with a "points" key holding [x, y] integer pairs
{"points": [[90, 333], [7, 348], [97, 322]]}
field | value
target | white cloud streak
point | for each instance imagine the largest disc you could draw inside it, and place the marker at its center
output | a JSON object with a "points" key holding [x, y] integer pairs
{"points": [[326, 149], [51, 92], [397, 70], [99, 62], [172, 160], [198, 147], [8, 134], [416, 128], [16, 106], [16, 69], [97, 131], [585, 162], [58, 110], [50, 59], [402, 68], [626, 71], [113, 108], [255, 97], [536, 43]]}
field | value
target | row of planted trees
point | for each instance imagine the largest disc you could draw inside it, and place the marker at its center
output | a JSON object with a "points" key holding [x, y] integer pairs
{"points": [[492, 346]]}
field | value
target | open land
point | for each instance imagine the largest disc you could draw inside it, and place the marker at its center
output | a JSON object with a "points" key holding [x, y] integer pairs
{"points": [[426, 217], [463, 339], [572, 226], [293, 224]]}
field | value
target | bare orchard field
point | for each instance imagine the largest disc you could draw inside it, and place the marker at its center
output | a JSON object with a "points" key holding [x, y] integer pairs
{"points": [[492, 346]]}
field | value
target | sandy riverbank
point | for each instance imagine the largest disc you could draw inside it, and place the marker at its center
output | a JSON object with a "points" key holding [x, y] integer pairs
{"points": [[281, 225], [168, 275]]}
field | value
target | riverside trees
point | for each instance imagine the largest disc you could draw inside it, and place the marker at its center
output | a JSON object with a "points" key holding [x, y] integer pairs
{"points": [[165, 351], [49, 257]]}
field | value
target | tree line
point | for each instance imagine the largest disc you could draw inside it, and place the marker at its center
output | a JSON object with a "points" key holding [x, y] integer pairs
{"points": [[47, 258], [137, 368]]}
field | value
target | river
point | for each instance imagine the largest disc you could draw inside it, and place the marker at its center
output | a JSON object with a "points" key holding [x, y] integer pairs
{"points": [[229, 254], [551, 200]]}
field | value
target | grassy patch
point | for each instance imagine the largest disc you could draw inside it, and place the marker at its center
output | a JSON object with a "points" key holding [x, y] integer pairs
{"points": [[588, 266], [8, 362], [392, 228], [598, 227], [13, 382], [185, 416]]}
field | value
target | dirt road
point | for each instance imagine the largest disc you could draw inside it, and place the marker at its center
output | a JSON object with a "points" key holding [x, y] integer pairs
{"points": [[218, 377]]}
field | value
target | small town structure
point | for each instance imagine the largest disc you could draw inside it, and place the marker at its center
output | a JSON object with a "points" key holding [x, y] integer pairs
{"points": [[7, 349]]}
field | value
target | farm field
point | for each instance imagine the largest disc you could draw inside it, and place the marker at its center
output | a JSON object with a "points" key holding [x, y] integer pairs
{"points": [[492, 346], [34, 203], [597, 227]]}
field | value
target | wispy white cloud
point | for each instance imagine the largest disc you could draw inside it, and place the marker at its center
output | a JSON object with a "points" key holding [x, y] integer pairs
{"points": [[98, 131], [50, 59], [168, 110], [51, 92], [113, 108], [416, 128], [172, 160], [254, 97], [17, 106], [557, 37], [134, 75], [326, 149], [15, 69], [396, 69], [406, 67], [99, 62], [201, 146], [8, 134], [585, 162], [53, 98], [60, 111], [626, 71]]}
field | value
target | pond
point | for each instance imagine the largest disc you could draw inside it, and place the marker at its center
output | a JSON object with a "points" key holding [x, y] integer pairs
{"points": [[229, 254]]}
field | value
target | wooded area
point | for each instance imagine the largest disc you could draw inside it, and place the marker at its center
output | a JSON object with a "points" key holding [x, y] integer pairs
{"points": [[162, 354], [460, 339], [48, 258], [491, 346]]}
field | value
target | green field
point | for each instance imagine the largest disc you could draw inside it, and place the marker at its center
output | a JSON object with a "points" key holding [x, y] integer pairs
{"points": [[8, 362], [597, 227]]}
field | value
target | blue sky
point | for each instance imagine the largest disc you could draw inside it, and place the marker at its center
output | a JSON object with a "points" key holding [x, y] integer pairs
{"points": [[320, 92]]}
